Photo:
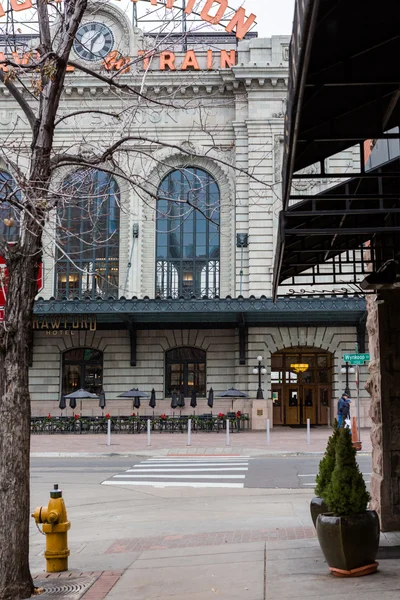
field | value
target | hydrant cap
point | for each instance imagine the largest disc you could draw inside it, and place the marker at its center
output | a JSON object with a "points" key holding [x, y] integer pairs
{"points": [[56, 493]]}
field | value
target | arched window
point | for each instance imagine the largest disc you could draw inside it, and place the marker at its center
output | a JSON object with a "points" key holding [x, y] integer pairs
{"points": [[88, 236], [185, 371], [82, 368], [188, 246], [8, 194]]}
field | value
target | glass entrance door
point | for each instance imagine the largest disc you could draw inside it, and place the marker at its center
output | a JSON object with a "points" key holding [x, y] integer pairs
{"points": [[304, 394]]}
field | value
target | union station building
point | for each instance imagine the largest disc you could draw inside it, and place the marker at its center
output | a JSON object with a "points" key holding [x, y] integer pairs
{"points": [[149, 293]]}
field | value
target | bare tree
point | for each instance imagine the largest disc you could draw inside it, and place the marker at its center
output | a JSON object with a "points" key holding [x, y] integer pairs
{"points": [[37, 199]]}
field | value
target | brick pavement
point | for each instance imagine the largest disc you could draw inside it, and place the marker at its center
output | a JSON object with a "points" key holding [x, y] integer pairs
{"points": [[216, 538], [282, 440]]}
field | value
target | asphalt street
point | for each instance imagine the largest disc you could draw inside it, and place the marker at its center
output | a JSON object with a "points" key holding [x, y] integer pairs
{"points": [[283, 472]]}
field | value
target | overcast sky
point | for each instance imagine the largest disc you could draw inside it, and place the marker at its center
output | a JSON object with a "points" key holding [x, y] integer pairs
{"points": [[274, 17]]}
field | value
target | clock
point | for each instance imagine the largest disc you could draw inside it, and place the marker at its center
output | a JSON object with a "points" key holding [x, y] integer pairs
{"points": [[93, 41]]}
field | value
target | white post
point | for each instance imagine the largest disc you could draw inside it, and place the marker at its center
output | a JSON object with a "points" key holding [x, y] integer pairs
{"points": [[228, 443], [189, 442], [329, 417], [268, 433], [148, 432], [109, 432], [308, 431]]}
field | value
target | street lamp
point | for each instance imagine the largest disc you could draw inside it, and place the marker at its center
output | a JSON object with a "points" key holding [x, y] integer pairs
{"points": [[260, 370], [347, 369]]}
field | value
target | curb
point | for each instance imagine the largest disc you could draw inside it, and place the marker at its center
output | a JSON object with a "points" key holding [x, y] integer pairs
{"points": [[148, 454]]}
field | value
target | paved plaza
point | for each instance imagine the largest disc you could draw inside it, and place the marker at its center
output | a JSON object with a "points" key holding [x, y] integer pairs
{"points": [[253, 443], [163, 543]]}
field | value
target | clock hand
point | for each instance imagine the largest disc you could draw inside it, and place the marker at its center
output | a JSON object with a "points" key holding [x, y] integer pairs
{"points": [[93, 40]]}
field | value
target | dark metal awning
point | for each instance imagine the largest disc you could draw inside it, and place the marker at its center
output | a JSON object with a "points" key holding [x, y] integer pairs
{"points": [[221, 313], [338, 227], [344, 88], [344, 78]]}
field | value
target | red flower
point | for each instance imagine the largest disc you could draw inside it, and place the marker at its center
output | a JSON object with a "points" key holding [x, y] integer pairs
{"points": [[238, 414], [49, 416], [221, 415], [108, 416], [133, 415], [76, 417], [163, 416]]}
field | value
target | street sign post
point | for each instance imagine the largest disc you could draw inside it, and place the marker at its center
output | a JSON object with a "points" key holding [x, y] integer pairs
{"points": [[357, 359]]}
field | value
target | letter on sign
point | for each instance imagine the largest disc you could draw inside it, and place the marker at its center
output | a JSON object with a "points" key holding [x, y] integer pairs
{"points": [[205, 13], [21, 5], [239, 21], [190, 60]]}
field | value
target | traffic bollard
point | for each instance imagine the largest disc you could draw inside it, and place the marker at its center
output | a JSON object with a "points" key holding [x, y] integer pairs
{"points": [[268, 433], [189, 442], [109, 432], [148, 432], [308, 431], [228, 443]]}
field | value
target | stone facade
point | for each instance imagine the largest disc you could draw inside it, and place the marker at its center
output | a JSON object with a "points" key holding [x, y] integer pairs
{"points": [[384, 386], [226, 121]]}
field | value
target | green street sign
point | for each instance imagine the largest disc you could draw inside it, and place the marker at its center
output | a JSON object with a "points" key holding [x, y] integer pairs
{"points": [[356, 359]]}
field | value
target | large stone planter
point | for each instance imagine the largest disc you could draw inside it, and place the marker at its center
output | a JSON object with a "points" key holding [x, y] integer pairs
{"points": [[350, 544], [317, 507]]}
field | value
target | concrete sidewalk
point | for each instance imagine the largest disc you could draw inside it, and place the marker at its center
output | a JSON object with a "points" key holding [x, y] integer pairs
{"points": [[247, 443], [203, 544]]}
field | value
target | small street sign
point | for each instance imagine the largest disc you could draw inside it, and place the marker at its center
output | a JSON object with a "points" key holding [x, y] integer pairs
{"points": [[356, 359]]}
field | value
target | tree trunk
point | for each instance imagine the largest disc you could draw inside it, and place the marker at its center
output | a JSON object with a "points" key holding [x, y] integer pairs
{"points": [[15, 414]]}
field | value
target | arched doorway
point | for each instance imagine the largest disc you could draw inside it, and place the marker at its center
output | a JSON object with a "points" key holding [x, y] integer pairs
{"points": [[301, 393], [82, 368]]}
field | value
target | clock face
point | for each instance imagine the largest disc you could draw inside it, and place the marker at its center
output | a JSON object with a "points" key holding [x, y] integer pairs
{"points": [[93, 41]]}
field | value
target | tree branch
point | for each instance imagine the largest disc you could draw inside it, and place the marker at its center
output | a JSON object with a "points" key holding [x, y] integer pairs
{"points": [[18, 97], [83, 112], [121, 86]]}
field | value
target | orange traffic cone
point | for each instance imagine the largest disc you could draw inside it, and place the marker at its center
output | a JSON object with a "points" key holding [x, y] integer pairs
{"points": [[354, 435]]}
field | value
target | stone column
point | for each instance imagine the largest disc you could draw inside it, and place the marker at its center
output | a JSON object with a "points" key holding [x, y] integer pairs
{"points": [[384, 387]]}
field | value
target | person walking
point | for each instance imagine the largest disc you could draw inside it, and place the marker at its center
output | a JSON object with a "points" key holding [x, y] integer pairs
{"points": [[343, 409]]}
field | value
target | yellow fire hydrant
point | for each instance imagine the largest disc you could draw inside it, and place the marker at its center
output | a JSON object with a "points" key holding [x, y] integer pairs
{"points": [[55, 526]]}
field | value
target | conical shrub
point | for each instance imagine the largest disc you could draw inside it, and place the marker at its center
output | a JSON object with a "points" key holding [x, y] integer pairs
{"points": [[327, 464], [346, 494]]}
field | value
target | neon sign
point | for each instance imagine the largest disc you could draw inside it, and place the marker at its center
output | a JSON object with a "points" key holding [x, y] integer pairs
{"points": [[238, 23]]}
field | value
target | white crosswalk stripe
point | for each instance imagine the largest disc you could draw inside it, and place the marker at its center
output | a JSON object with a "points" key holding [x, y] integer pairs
{"points": [[313, 476], [200, 472]]}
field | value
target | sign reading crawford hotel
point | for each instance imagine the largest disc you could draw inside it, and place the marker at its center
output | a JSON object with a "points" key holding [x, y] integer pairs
{"points": [[64, 324]]}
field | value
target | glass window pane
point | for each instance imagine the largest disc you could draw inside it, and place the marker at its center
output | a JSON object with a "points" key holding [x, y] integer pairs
{"points": [[323, 376], [322, 361], [191, 234], [276, 376], [308, 397], [293, 398], [308, 377], [89, 235]]}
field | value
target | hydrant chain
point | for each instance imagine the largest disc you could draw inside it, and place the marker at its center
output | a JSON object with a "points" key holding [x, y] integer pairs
{"points": [[55, 527]]}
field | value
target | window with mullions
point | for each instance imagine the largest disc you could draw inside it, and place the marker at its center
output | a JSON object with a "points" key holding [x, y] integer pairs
{"points": [[88, 236], [9, 194], [82, 368], [188, 239], [185, 371]]}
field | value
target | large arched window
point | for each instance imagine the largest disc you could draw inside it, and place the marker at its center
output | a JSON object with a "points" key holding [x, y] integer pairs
{"points": [[185, 371], [188, 246], [82, 368], [8, 195], [88, 236]]}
